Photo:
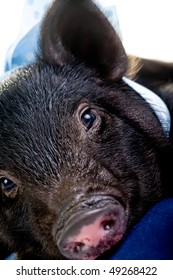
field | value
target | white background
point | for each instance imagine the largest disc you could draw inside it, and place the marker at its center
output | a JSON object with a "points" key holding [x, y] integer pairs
{"points": [[85, 269], [10, 20]]}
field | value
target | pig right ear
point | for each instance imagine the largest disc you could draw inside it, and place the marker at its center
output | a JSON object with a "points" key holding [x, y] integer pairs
{"points": [[76, 30]]}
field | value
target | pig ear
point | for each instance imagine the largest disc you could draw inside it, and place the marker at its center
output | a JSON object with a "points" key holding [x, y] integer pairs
{"points": [[77, 30]]}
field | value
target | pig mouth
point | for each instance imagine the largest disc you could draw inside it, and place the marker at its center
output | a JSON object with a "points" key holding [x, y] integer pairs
{"points": [[90, 232]]}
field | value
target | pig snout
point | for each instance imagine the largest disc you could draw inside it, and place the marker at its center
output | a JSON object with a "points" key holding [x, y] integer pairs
{"points": [[88, 234]]}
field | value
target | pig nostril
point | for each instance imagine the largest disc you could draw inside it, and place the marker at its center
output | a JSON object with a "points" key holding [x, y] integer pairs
{"points": [[108, 225], [78, 247]]}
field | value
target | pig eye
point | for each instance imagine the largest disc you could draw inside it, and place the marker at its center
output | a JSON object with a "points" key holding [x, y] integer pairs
{"points": [[6, 184], [88, 118], [8, 187]]}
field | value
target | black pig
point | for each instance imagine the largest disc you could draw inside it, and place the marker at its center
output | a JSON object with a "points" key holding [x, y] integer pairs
{"points": [[82, 155]]}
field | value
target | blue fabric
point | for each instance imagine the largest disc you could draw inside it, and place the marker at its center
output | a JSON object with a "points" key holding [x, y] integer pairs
{"points": [[152, 237], [24, 52]]}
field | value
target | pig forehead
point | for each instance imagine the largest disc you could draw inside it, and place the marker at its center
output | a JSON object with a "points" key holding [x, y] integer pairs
{"points": [[44, 87]]}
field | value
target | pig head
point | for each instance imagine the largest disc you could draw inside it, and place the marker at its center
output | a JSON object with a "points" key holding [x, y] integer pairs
{"points": [[81, 153]]}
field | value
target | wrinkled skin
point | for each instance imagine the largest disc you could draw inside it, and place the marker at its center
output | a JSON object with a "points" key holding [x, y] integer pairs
{"points": [[71, 176]]}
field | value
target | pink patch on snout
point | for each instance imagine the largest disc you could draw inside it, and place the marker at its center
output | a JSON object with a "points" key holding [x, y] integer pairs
{"points": [[91, 235]]}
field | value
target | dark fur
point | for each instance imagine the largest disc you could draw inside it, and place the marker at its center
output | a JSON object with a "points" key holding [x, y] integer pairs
{"points": [[47, 152]]}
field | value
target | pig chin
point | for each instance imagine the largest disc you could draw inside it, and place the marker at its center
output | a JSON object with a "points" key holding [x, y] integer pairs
{"points": [[89, 233]]}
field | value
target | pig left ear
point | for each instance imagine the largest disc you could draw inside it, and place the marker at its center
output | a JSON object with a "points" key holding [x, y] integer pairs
{"points": [[76, 30]]}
